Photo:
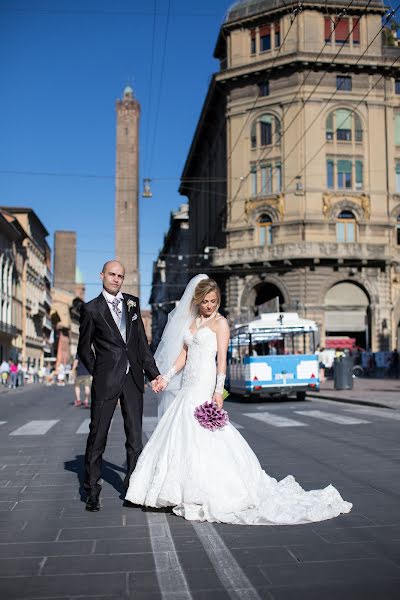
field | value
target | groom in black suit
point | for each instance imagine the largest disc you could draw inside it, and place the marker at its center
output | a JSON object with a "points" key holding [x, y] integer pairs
{"points": [[113, 347]]}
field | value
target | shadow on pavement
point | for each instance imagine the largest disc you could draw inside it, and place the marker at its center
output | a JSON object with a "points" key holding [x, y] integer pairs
{"points": [[109, 473]]}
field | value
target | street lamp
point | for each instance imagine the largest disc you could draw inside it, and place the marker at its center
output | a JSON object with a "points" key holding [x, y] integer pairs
{"points": [[147, 193]]}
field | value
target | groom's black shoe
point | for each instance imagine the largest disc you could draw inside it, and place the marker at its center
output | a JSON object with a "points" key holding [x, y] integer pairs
{"points": [[92, 504]]}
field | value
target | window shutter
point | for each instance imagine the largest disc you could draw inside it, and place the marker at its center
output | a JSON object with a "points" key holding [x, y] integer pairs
{"points": [[343, 118], [359, 172], [265, 30], [277, 26], [397, 130], [328, 29], [344, 166], [266, 119], [356, 30], [253, 34], [342, 30]]}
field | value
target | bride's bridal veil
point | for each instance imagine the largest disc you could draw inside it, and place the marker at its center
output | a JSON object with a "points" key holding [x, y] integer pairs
{"points": [[171, 343]]}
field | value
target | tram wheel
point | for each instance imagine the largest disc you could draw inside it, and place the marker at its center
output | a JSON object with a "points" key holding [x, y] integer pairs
{"points": [[301, 396]]}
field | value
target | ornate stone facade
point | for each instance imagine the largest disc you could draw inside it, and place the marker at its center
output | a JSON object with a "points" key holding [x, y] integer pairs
{"points": [[296, 158]]}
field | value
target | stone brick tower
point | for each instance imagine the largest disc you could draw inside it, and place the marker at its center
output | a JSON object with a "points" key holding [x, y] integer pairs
{"points": [[65, 260], [126, 189]]}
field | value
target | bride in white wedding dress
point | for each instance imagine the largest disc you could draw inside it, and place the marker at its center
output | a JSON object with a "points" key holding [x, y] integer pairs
{"points": [[212, 475]]}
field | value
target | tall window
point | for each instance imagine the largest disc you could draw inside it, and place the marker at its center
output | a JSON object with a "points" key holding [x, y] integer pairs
{"points": [[265, 131], [344, 83], [397, 86], [264, 230], [253, 178], [346, 124], [266, 178], [398, 176], [263, 88], [342, 30], [346, 227], [253, 46], [344, 174], [265, 38]]}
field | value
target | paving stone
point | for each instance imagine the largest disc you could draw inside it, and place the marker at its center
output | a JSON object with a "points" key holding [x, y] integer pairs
{"points": [[359, 534], [338, 591], [262, 556], [271, 538], [321, 573], [6, 505], [127, 546], [45, 548], [19, 566], [104, 533], [332, 552], [47, 586], [99, 563]]}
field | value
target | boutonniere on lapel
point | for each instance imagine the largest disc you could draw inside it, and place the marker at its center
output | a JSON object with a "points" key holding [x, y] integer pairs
{"points": [[131, 304]]}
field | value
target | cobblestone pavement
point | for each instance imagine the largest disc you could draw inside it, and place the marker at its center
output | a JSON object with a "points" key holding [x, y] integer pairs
{"points": [[51, 548]]}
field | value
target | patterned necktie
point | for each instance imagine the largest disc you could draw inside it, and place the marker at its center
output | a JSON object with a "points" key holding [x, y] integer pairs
{"points": [[116, 308]]}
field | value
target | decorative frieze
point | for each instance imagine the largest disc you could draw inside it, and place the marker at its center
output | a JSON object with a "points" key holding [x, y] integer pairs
{"points": [[305, 250], [334, 202]]}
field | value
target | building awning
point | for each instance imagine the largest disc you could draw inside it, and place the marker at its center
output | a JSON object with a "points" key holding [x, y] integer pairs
{"points": [[345, 320], [340, 342]]}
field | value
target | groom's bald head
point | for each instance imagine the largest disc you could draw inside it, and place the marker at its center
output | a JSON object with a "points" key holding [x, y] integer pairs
{"points": [[112, 276], [110, 264]]}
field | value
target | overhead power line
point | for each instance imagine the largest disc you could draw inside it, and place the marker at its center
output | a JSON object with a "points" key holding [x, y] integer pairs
{"points": [[263, 154]]}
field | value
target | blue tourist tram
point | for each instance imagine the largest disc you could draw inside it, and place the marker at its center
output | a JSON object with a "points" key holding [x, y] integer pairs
{"points": [[273, 356]]}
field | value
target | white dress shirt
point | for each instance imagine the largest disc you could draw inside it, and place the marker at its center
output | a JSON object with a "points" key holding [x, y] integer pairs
{"points": [[119, 321], [110, 300]]}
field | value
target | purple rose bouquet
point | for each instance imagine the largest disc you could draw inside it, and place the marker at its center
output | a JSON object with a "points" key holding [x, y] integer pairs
{"points": [[210, 416]]}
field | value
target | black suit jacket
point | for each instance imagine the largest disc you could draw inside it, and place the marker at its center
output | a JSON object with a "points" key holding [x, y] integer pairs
{"points": [[103, 351]]}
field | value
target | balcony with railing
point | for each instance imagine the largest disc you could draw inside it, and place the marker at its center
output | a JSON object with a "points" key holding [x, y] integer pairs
{"points": [[8, 329], [47, 324]]}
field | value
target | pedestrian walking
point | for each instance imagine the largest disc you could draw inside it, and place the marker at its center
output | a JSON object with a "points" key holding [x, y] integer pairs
{"points": [[394, 364], [13, 374], [82, 379], [4, 372]]}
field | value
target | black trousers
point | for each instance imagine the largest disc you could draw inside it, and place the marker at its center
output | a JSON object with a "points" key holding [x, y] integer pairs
{"points": [[131, 400]]}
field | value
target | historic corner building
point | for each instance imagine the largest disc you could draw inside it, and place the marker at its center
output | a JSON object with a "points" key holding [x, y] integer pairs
{"points": [[293, 175]]}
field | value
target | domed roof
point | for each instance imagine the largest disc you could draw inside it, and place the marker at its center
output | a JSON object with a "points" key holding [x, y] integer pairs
{"points": [[248, 8], [128, 91]]}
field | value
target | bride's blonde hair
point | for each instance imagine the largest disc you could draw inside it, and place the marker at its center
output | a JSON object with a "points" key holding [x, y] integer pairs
{"points": [[202, 289]]}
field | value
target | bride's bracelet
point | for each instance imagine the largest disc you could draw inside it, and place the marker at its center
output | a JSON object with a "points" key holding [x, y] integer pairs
{"points": [[170, 374], [219, 387]]}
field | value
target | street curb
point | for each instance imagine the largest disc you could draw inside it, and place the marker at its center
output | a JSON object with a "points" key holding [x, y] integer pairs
{"points": [[352, 401]]}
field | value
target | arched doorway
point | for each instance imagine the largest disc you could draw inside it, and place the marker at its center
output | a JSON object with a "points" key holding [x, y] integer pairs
{"points": [[266, 297], [347, 316]]}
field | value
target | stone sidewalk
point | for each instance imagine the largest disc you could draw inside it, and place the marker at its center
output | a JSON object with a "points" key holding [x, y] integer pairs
{"points": [[368, 391]]}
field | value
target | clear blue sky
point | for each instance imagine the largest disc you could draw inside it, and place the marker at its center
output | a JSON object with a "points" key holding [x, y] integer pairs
{"points": [[63, 66]]}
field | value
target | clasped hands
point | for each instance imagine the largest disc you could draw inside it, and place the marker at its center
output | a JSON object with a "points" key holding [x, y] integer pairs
{"points": [[158, 384]]}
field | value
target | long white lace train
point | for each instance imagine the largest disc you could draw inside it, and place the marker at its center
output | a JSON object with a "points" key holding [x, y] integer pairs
{"points": [[215, 476]]}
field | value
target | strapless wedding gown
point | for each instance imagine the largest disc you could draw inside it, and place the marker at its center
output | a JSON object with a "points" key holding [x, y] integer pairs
{"points": [[214, 475]]}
